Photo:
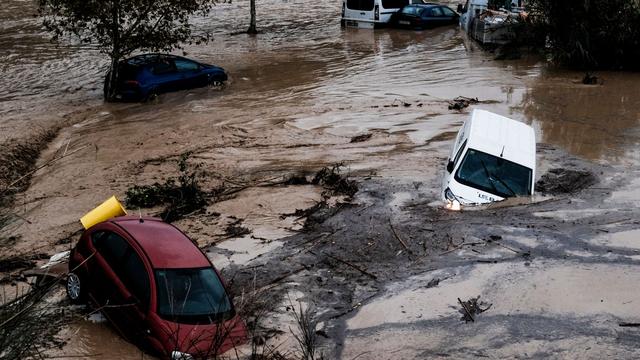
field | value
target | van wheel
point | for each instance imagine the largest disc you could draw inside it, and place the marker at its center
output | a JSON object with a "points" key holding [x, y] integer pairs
{"points": [[75, 288]]}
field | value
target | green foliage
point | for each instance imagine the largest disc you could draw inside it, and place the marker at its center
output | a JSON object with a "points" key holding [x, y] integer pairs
{"points": [[590, 34], [179, 197], [121, 27]]}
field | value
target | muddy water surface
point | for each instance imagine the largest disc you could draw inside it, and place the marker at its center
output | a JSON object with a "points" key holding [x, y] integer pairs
{"points": [[299, 91]]}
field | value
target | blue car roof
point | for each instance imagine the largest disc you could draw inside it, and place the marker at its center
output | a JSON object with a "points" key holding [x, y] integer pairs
{"points": [[146, 59], [426, 5]]}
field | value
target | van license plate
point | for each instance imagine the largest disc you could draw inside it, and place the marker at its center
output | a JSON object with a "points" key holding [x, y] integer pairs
{"points": [[351, 23], [403, 22]]}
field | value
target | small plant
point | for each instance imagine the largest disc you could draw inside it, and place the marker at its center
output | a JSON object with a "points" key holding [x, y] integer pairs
{"points": [[305, 333]]}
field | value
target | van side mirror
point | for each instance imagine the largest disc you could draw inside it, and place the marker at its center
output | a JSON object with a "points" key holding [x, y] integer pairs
{"points": [[450, 166]]}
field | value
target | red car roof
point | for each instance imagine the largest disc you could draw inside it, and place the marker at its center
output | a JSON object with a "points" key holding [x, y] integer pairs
{"points": [[166, 246]]}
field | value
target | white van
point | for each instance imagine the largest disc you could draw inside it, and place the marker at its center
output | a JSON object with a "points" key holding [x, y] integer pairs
{"points": [[469, 11], [369, 14], [493, 158]]}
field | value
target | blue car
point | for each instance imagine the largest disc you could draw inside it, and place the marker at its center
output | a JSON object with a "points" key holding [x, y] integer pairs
{"points": [[143, 77], [425, 16]]}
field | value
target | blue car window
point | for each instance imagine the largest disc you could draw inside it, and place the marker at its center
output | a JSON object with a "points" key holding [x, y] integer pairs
{"points": [[409, 10], [448, 12], [163, 66], [436, 12], [186, 65]]}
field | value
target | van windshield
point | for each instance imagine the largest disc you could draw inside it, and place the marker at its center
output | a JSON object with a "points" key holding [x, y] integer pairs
{"points": [[192, 296], [494, 175]]}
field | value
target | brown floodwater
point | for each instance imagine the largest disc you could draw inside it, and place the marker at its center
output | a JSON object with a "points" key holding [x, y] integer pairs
{"points": [[303, 81]]}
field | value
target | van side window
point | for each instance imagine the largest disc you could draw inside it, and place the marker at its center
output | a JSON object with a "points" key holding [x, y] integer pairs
{"points": [[134, 276], [111, 246], [394, 4], [455, 160], [364, 5]]}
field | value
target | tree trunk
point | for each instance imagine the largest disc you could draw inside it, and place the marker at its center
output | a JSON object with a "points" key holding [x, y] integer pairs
{"points": [[252, 25], [111, 81]]}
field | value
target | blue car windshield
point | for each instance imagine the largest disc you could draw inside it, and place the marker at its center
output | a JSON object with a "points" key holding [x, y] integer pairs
{"points": [[192, 296], [494, 175]]}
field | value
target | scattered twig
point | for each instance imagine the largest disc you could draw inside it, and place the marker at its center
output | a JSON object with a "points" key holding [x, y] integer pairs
{"points": [[464, 306], [353, 266], [627, 324], [404, 245]]}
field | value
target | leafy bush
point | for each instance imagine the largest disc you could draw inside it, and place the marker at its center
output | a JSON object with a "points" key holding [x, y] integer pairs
{"points": [[589, 34]]}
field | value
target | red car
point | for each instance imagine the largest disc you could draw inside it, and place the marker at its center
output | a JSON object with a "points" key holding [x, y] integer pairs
{"points": [[156, 287]]}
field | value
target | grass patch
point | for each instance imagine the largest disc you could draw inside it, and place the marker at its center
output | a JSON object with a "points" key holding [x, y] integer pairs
{"points": [[17, 159]]}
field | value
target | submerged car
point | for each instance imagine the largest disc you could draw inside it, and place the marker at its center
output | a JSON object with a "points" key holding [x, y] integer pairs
{"points": [[493, 158], [142, 77], [369, 14], [156, 287], [425, 16]]}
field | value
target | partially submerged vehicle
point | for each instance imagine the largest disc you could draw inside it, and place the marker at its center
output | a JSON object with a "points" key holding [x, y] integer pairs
{"points": [[493, 158], [424, 16], [373, 14], [369, 14], [142, 77], [156, 287], [491, 24]]}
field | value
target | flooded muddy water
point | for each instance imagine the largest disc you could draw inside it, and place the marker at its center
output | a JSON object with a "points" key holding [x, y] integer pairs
{"points": [[299, 91]]}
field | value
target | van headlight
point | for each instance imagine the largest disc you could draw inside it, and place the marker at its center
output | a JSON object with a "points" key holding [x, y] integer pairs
{"points": [[179, 355], [452, 201], [449, 195]]}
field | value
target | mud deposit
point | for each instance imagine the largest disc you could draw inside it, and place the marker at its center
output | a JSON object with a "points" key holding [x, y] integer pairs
{"points": [[372, 253]]}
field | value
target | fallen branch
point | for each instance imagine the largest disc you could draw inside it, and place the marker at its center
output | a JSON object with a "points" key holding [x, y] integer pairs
{"points": [[626, 324], [8, 187], [353, 266], [404, 245], [466, 310]]}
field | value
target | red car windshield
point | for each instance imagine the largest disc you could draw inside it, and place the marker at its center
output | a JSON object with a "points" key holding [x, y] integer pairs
{"points": [[192, 296]]}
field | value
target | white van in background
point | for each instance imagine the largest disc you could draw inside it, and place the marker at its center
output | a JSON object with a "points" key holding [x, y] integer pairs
{"points": [[493, 158], [369, 14], [470, 10]]}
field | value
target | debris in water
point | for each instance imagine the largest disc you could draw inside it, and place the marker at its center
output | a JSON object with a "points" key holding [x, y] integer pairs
{"points": [[462, 102], [627, 324], [590, 79], [236, 230], [433, 283], [361, 138], [564, 181], [397, 103], [330, 178], [297, 179], [20, 262], [471, 308]]}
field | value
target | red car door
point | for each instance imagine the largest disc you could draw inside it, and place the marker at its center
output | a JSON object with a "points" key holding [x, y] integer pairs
{"points": [[110, 281]]}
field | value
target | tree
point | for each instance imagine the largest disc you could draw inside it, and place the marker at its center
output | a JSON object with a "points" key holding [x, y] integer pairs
{"points": [[121, 27], [252, 24], [588, 34]]}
